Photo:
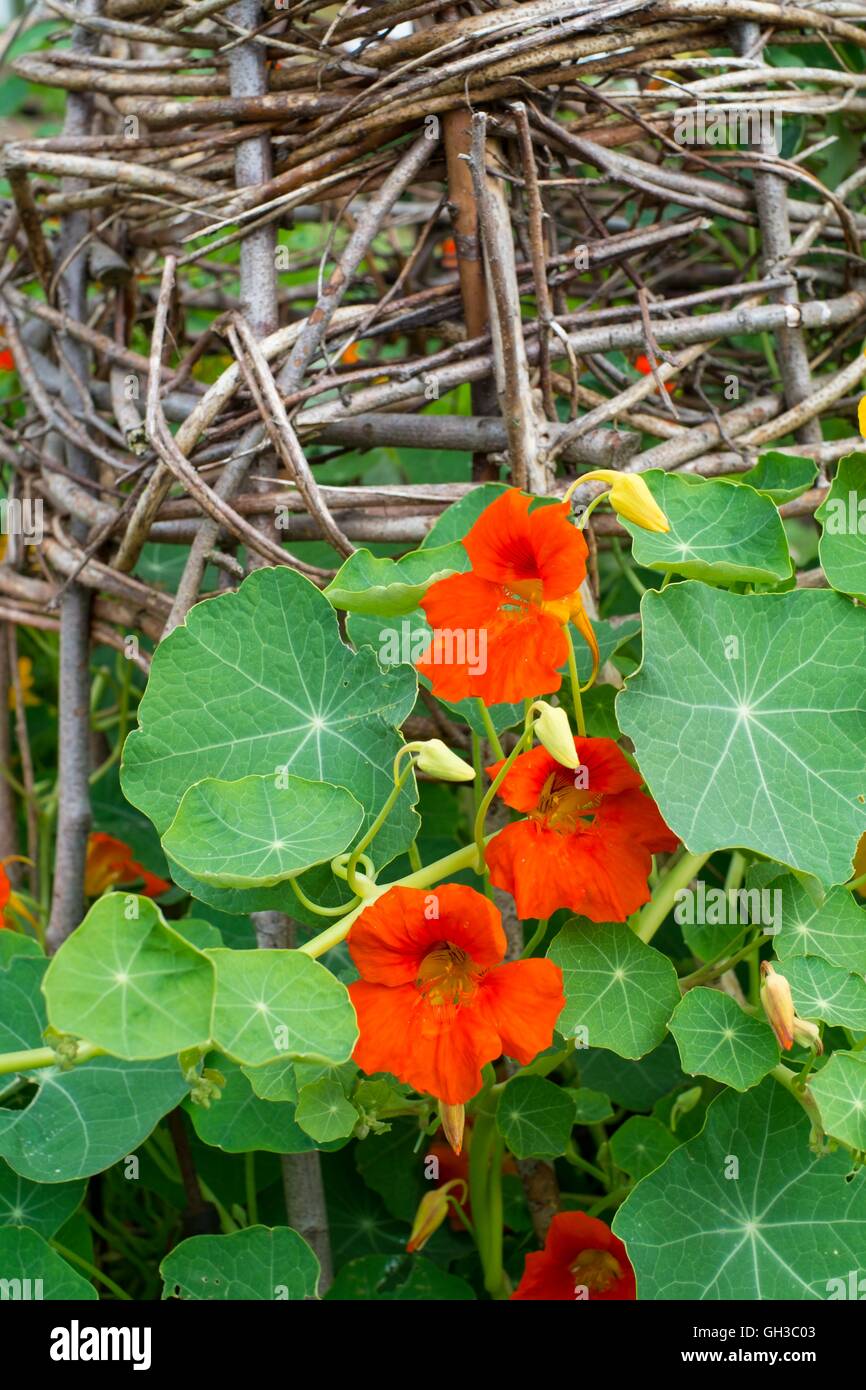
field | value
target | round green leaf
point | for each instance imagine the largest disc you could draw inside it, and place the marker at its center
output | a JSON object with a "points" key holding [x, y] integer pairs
{"points": [[30, 1269], [41, 1206], [834, 929], [842, 515], [240, 1120], [746, 1210], [781, 477], [82, 1120], [746, 709], [131, 986], [14, 943], [640, 1145], [259, 681], [392, 588], [590, 1107], [324, 1112], [258, 831], [534, 1117], [274, 1005], [260, 1262], [619, 993], [719, 532], [716, 1038], [840, 1090], [826, 991]]}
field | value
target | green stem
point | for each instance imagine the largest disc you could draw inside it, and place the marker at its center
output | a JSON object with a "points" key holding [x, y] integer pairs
{"points": [[856, 884], [717, 967], [38, 1057], [789, 1079], [390, 800], [524, 740], [90, 1269], [536, 937], [454, 863], [492, 735], [494, 1281], [322, 911], [678, 876], [575, 686], [574, 1157]]}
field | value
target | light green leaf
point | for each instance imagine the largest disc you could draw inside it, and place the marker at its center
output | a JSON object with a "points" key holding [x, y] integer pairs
{"points": [[259, 1262], [82, 1120], [391, 588], [781, 477], [272, 1005], [834, 929], [746, 1210], [384, 1278], [719, 532], [258, 681], [840, 1090], [746, 709], [640, 1145], [324, 1112], [15, 943], [240, 1121], [275, 1081], [716, 1038], [842, 515], [30, 1269], [826, 991], [258, 831], [133, 987], [43, 1207], [534, 1117], [620, 991], [590, 1107]]}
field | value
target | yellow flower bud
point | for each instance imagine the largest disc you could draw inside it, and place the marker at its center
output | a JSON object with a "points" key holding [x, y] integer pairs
{"points": [[807, 1035], [630, 498], [778, 1005], [436, 757], [553, 730], [432, 1210], [453, 1119]]}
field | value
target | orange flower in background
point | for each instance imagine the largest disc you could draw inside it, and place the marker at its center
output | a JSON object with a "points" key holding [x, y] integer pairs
{"points": [[110, 861], [588, 839], [644, 366], [499, 632], [7, 361], [435, 1002], [581, 1258], [351, 356], [448, 250], [25, 674], [5, 895]]}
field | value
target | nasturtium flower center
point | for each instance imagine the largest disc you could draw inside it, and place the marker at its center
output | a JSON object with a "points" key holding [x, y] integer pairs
{"points": [[596, 1269], [448, 975], [564, 807]]}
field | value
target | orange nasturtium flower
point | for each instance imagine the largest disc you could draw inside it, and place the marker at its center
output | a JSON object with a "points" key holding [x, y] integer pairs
{"points": [[644, 366], [588, 839], [25, 675], [435, 1002], [110, 861], [499, 632], [8, 899], [582, 1258]]}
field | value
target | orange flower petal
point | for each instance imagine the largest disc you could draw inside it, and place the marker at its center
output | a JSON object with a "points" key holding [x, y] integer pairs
{"points": [[509, 545], [437, 1051], [519, 655], [545, 870], [390, 938], [523, 1000], [548, 1274], [607, 771]]}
